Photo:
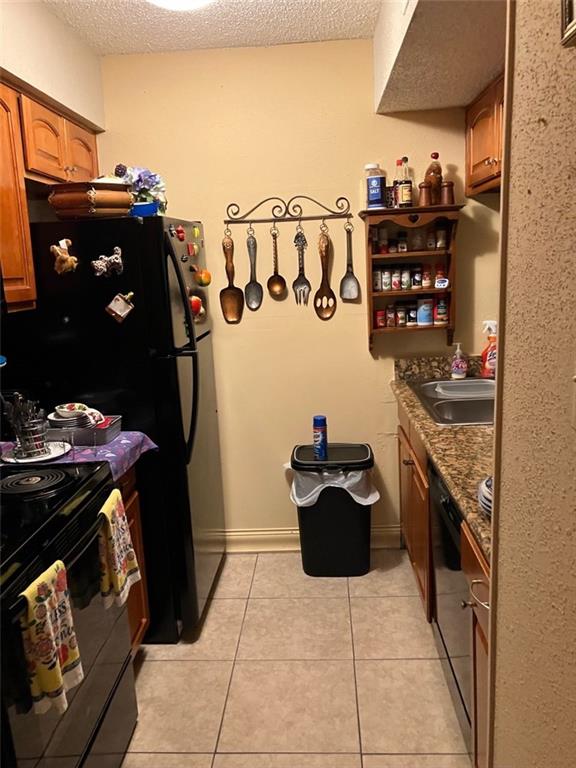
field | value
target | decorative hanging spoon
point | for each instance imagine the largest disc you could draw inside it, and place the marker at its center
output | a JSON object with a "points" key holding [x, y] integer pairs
{"points": [[253, 291], [324, 298]]}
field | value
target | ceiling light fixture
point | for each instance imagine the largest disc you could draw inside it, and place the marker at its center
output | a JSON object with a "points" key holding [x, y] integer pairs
{"points": [[181, 5]]}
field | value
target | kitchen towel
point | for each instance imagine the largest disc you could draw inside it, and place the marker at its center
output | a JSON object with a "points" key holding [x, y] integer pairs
{"points": [[49, 640], [118, 564]]}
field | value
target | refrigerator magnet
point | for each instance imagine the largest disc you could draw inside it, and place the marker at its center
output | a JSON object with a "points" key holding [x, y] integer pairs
{"points": [[109, 265], [172, 230], [63, 260], [120, 306], [180, 233]]}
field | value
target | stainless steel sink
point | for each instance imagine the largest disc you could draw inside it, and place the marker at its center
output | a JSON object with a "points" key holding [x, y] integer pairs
{"points": [[458, 403], [466, 389]]}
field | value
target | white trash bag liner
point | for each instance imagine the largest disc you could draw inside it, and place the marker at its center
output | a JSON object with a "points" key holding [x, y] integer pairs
{"points": [[307, 486]]}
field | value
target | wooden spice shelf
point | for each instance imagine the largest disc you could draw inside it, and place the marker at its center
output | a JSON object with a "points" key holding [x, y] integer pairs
{"points": [[412, 293], [411, 328], [409, 255], [409, 219], [438, 210]]}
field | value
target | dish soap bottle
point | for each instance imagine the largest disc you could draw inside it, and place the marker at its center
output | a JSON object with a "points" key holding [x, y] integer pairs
{"points": [[488, 370], [459, 367]]}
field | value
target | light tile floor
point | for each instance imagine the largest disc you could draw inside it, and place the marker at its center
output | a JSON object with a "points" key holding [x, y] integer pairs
{"points": [[298, 672]]}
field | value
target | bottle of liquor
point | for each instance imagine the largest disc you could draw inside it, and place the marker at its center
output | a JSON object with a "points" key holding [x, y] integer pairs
{"points": [[403, 184]]}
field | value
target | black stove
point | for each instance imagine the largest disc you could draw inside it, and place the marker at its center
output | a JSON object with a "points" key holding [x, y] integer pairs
{"points": [[51, 513], [38, 503]]}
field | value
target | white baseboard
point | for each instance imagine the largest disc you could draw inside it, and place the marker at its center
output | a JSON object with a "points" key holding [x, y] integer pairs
{"points": [[288, 539]]}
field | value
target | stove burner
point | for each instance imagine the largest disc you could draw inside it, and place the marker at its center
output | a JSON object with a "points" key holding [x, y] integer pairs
{"points": [[39, 482]]}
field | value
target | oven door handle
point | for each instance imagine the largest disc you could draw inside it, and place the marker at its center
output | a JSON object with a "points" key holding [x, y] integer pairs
{"points": [[19, 606]]}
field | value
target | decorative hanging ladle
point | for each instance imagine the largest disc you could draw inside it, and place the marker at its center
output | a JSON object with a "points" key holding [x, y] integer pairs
{"points": [[276, 284]]}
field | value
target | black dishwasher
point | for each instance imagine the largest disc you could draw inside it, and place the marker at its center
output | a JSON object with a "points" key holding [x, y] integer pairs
{"points": [[452, 625]]}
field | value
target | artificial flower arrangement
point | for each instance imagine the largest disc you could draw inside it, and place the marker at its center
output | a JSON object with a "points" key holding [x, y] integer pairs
{"points": [[147, 187]]}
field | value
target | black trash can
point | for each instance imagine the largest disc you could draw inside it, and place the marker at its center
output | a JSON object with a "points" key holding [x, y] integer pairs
{"points": [[335, 530]]}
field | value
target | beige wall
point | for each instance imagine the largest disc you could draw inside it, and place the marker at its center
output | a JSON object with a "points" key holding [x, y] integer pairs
{"points": [[535, 654], [243, 124], [40, 49]]}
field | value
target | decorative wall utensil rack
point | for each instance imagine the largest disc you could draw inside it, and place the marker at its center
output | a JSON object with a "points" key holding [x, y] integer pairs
{"points": [[233, 299], [291, 210]]}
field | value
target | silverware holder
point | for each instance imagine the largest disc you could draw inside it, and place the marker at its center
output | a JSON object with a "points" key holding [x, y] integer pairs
{"points": [[31, 439]]}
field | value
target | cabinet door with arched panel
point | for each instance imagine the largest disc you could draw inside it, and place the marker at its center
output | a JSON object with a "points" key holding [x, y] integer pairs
{"points": [[44, 140], [81, 153]]}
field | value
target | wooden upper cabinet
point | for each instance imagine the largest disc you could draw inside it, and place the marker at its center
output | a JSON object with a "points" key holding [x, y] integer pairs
{"points": [[15, 245], [484, 126], [82, 155], [44, 140], [55, 146]]}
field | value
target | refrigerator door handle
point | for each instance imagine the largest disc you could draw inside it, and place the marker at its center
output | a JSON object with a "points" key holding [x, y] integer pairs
{"points": [[194, 409], [190, 348]]}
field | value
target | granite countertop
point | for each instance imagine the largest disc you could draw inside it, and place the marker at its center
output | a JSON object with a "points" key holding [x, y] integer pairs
{"points": [[462, 455]]}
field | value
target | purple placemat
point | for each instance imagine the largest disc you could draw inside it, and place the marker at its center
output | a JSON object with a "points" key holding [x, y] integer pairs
{"points": [[122, 453]]}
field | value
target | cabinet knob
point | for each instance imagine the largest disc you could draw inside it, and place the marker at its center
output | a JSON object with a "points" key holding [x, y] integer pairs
{"points": [[408, 462], [488, 161]]}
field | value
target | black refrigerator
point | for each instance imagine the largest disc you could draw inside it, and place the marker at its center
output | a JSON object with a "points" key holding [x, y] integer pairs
{"points": [[155, 368]]}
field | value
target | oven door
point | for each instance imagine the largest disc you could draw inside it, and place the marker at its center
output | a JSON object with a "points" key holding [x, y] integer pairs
{"points": [[104, 642]]}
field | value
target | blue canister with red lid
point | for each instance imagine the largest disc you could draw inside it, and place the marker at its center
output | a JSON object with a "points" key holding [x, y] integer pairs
{"points": [[320, 438]]}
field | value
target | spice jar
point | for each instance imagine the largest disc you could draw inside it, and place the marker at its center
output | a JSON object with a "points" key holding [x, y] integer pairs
{"points": [[382, 239], [401, 315], [412, 315], [427, 277], [416, 277], [405, 280], [386, 280], [376, 279], [380, 318], [441, 281], [418, 240], [396, 279], [430, 240], [402, 242], [441, 238], [441, 311], [390, 316]]}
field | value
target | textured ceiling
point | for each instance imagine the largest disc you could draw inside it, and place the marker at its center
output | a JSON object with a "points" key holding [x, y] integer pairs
{"points": [[135, 26]]}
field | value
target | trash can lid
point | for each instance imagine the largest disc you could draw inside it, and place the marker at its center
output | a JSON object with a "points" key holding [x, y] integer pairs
{"points": [[341, 456]]}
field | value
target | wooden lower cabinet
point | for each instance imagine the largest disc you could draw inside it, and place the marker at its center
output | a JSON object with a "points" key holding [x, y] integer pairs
{"points": [[15, 245], [137, 603], [415, 517], [477, 573]]}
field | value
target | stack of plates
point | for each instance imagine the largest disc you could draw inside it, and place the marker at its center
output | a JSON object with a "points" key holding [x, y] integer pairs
{"points": [[485, 496], [74, 419]]}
